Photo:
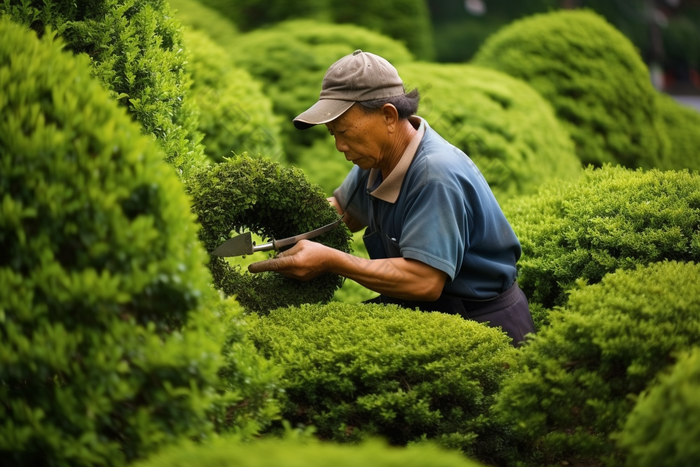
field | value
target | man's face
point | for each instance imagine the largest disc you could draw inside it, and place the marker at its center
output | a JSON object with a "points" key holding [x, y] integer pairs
{"points": [[361, 137]]}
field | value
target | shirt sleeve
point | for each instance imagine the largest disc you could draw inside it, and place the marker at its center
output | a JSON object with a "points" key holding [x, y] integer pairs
{"points": [[358, 207]]}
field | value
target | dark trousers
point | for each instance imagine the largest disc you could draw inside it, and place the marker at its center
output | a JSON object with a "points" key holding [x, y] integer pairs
{"points": [[509, 310]]}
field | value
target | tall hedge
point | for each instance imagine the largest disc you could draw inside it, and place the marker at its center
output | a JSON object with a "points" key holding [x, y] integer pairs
{"points": [[353, 371], [110, 339], [509, 131], [135, 47], [235, 115], [594, 78], [663, 429], [581, 374], [610, 218], [681, 123]]}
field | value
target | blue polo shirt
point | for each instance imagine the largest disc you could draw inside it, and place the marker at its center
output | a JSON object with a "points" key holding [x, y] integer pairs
{"points": [[436, 207]]}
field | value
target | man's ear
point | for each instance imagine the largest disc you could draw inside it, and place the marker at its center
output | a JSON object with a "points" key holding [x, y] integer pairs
{"points": [[391, 117]]}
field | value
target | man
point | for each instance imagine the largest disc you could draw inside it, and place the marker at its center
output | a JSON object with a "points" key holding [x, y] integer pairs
{"points": [[436, 235]]}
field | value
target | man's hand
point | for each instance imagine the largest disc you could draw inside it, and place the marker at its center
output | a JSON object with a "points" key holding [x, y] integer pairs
{"points": [[304, 261]]}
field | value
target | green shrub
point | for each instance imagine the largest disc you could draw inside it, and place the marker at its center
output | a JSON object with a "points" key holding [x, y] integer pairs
{"points": [[276, 453], [682, 123], [509, 131], [235, 116], [273, 201], [353, 371], [611, 218], [110, 337], [196, 16], [594, 78], [580, 374], [291, 58], [136, 52], [663, 430]]}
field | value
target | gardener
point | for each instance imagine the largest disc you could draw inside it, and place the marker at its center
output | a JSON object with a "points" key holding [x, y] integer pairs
{"points": [[436, 235]]}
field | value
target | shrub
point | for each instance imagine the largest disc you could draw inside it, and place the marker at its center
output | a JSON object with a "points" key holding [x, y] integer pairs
{"points": [[611, 218], [353, 371], [663, 429], [194, 15], [682, 125], [136, 52], [509, 131], [270, 200], [235, 116], [594, 78], [275, 453], [580, 373], [109, 334]]}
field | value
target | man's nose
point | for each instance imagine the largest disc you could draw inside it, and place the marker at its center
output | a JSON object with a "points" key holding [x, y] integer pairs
{"points": [[340, 145]]}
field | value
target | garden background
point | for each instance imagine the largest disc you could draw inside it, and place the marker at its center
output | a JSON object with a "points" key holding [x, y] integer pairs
{"points": [[136, 136]]}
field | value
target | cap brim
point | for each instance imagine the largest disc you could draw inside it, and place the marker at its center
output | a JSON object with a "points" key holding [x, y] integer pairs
{"points": [[323, 111]]}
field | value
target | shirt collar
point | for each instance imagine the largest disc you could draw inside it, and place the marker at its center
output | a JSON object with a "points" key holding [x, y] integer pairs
{"points": [[389, 189]]}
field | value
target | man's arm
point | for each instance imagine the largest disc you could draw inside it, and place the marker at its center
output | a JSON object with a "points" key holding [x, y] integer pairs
{"points": [[353, 224], [396, 277]]}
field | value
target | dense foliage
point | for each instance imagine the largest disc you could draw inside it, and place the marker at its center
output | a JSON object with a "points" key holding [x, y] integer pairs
{"points": [[681, 123], [109, 335], [194, 15], [610, 218], [259, 195], [235, 116], [663, 429], [354, 371], [594, 78], [136, 51], [505, 127], [292, 453], [608, 344]]}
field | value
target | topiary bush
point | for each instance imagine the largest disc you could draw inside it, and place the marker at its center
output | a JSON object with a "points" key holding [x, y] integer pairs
{"points": [[610, 218], [353, 371], [593, 77], [682, 123], [276, 453], [580, 375], [235, 115], [662, 430], [259, 195], [194, 15], [136, 51], [504, 126], [110, 333]]}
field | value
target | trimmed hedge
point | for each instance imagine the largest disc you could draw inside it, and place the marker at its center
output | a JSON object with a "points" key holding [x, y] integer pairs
{"points": [[110, 337], [196, 16], [595, 80], [235, 115], [580, 374], [663, 429], [273, 201], [353, 371], [503, 125], [682, 123], [136, 51], [610, 218], [277, 453]]}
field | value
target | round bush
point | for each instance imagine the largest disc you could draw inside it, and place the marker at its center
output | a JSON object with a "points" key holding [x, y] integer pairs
{"points": [[662, 430], [682, 123], [273, 201], [194, 15], [136, 52], [109, 345], [580, 374], [235, 116], [277, 453], [353, 371], [503, 125], [593, 77], [610, 218]]}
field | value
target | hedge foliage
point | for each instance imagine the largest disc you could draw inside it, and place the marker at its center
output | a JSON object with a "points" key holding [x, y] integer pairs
{"points": [[291, 453], [610, 218], [580, 374], [505, 127], [354, 371], [194, 15], [235, 115], [662, 430], [681, 123], [245, 193], [594, 78], [136, 52], [291, 58], [110, 339]]}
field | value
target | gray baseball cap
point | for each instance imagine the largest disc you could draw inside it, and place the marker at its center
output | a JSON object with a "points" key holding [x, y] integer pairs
{"points": [[360, 76]]}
